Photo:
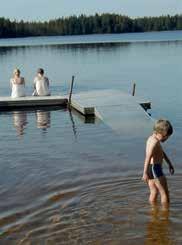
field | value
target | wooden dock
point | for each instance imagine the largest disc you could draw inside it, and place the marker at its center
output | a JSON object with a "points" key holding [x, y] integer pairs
{"points": [[88, 102], [120, 111], [8, 103], [83, 107], [106, 105]]}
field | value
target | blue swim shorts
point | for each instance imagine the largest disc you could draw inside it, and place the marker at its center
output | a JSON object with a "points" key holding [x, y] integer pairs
{"points": [[155, 171]]}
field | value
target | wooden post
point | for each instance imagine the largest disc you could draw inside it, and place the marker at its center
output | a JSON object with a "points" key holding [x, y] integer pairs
{"points": [[134, 88], [70, 93]]}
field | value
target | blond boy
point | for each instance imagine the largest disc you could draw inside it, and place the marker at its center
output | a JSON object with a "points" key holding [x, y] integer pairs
{"points": [[152, 173]]}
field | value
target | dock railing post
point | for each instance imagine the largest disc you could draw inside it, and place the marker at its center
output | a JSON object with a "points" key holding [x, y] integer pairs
{"points": [[71, 90], [134, 88]]}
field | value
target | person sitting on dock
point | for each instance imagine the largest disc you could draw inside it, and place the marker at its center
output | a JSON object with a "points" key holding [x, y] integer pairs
{"points": [[41, 84], [17, 84]]}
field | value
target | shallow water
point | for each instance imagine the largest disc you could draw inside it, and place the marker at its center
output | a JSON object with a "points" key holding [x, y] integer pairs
{"points": [[70, 180]]}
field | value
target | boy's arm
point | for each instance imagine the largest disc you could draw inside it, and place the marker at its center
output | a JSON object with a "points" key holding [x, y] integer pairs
{"points": [[149, 153], [166, 158]]}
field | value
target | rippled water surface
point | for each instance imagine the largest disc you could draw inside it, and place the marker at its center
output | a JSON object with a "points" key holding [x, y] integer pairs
{"points": [[66, 179]]}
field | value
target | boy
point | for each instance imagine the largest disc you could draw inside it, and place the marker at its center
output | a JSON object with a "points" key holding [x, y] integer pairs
{"points": [[152, 173]]}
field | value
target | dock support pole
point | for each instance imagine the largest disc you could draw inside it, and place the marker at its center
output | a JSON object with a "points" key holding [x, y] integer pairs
{"points": [[134, 88], [71, 90]]}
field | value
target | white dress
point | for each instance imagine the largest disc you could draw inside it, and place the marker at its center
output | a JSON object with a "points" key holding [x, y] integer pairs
{"points": [[18, 90], [41, 86]]}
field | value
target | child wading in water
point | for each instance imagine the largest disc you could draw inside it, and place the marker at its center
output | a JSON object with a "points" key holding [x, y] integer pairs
{"points": [[152, 173]]}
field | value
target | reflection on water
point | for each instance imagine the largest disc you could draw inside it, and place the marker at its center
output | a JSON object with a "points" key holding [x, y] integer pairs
{"points": [[59, 190], [73, 124], [19, 121], [158, 227], [43, 119]]}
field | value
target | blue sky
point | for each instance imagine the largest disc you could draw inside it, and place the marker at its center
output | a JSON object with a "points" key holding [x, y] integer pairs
{"points": [[50, 9]]}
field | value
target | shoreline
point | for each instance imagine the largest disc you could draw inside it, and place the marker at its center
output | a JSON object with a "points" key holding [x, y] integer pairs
{"points": [[134, 37]]}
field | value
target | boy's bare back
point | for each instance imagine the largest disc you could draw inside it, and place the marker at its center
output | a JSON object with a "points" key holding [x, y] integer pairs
{"points": [[154, 148]]}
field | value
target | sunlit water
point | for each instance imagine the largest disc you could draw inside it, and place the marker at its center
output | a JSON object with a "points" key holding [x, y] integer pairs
{"points": [[70, 180]]}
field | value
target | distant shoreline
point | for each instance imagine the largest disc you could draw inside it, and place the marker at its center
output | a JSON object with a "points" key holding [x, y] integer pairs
{"points": [[94, 39], [85, 25]]}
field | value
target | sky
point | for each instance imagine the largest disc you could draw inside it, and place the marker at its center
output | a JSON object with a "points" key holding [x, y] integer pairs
{"points": [[50, 9]]}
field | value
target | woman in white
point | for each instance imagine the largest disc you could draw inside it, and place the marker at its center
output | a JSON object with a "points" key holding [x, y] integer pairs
{"points": [[41, 84], [17, 84]]}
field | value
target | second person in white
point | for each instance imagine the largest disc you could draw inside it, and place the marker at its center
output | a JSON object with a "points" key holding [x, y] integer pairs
{"points": [[41, 84]]}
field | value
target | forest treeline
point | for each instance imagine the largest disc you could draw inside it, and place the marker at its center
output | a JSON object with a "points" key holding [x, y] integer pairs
{"points": [[94, 24]]}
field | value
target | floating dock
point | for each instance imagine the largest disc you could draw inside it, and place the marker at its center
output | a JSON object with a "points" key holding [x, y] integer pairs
{"points": [[33, 102], [120, 111], [86, 103], [8, 103]]}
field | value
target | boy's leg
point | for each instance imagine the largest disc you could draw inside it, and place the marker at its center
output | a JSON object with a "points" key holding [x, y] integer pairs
{"points": [[153, 191], [162, 187], [166, 188]]}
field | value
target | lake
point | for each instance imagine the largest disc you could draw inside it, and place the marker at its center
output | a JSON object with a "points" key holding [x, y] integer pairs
{"points": [[68, 180]]}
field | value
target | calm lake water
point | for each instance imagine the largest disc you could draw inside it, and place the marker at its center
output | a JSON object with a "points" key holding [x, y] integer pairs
{"points": [[68, 180]]}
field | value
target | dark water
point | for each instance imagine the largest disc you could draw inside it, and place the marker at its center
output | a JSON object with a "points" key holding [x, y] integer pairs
{"points": [[70, 180]]}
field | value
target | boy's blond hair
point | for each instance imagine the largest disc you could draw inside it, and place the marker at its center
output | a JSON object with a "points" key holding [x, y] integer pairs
{"points": [[163, 126]]}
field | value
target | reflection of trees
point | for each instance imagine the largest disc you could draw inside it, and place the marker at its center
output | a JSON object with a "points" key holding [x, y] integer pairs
{"points": [[158, 228], [74, 48], [84, 47], [6, 50], [19, 121]]}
